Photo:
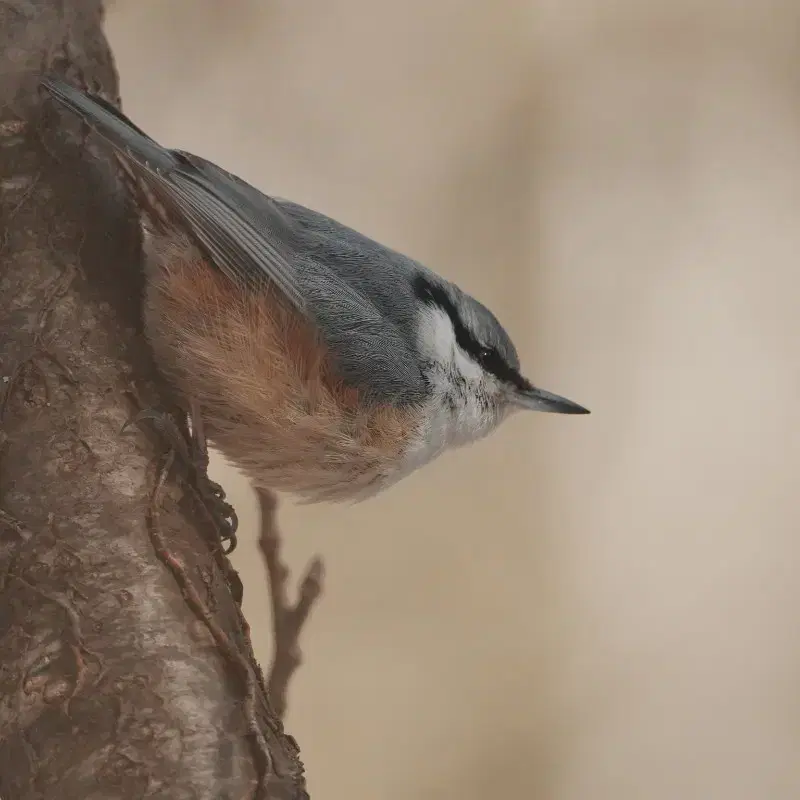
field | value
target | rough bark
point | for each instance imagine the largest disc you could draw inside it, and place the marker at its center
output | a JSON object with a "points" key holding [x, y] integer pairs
{"points": [[125, 665]]}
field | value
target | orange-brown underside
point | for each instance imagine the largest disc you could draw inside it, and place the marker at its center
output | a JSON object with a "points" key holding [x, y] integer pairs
{"points": [[270, 396]]}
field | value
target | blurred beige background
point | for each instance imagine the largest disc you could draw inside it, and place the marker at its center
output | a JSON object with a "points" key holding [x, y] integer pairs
{"points": [[600, 607]]}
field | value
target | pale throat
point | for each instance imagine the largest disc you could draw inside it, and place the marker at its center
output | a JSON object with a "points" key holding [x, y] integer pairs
{"points": [[465, 403]]}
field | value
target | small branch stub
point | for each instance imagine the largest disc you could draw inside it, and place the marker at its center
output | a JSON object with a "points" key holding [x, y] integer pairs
{"points": [[287, 620]]}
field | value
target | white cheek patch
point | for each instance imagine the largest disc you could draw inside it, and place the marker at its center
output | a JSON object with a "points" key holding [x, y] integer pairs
{"points": [[437, 341], [455, 414]]}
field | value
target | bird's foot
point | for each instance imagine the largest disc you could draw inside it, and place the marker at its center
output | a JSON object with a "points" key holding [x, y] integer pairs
{"points": [[191, 451]]}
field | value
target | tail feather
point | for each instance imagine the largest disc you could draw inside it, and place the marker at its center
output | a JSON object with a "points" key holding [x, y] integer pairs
{"points": [[112, 125]]}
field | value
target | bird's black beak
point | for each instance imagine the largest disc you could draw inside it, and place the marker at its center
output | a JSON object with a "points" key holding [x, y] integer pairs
{"points": [[535, 399]]}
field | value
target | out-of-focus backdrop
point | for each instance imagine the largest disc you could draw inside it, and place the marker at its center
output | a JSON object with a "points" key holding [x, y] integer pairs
{"points": [[594, 607]]}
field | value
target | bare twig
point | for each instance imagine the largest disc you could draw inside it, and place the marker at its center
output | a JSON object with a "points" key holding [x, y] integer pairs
{"points": [[287, 619]]}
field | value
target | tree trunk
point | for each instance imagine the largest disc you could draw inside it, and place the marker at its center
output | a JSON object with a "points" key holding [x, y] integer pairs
{"points": [[125, 667]]}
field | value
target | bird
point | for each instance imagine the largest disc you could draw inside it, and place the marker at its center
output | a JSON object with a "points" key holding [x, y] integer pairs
{"points": [[320, 362]]}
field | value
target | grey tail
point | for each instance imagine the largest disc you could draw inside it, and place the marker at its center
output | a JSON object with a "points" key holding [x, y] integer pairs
{"points": [[131, 142]]}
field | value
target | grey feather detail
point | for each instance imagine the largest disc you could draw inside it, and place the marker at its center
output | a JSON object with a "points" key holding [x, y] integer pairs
{"points": [[369, 351], [236, 246], [112, 124]]}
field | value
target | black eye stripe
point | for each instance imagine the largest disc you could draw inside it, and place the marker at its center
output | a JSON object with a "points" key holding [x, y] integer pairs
{"points": [[486, 356]]}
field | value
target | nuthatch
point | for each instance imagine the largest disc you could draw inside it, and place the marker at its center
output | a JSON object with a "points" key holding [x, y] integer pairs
{"points": [[320, 362]]}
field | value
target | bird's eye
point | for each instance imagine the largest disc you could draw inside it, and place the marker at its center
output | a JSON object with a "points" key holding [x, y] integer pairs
{"points": [[485, 354]]}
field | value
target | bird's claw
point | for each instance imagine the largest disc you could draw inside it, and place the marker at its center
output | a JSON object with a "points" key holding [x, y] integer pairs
{"points": [[192, 453]]}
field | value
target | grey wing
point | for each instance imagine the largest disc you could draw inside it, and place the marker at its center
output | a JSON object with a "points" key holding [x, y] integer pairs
{"points": [[227, 228], [252, 241], [370, 352]]}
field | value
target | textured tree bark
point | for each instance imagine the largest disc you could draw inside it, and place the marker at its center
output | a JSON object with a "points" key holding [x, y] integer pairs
{"points": [[125, 665]]}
